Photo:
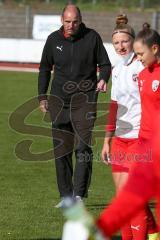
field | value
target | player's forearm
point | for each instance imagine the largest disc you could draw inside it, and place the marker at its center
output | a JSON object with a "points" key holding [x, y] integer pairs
{"points": [[139, 189], [119, 212], [112, 117]]}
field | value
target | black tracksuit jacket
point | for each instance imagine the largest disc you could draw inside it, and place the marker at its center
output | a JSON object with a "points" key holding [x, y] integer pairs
{"points": [[74, 63]]}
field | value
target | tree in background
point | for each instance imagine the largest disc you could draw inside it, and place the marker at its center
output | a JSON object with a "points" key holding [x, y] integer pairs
{"points": [[117, 3]]}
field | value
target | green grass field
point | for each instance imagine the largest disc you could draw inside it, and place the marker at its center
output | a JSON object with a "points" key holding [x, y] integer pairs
{"points": [[28, 190]]}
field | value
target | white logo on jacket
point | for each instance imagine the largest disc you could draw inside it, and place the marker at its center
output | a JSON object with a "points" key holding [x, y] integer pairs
{"points": [[60, 48], [155, 85]]}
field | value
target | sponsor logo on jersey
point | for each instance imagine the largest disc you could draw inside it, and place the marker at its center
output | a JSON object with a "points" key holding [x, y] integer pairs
{"points": [[155, 85], [141, 82]]}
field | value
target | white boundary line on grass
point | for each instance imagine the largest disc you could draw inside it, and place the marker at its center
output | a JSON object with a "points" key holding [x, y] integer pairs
{"points": [[18, 69]]}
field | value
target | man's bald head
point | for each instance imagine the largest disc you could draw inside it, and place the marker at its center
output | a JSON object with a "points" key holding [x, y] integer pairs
{"points": [[73, 8], [71, 19]]}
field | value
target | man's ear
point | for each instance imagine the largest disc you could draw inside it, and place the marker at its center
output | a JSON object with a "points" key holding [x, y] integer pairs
{"points": [[62, 20], [80, 19]]}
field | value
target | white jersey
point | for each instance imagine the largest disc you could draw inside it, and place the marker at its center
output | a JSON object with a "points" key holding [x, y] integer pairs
{"points": [[125, 92]]}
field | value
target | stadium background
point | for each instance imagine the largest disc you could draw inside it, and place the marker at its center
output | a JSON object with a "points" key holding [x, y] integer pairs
{"points": [[27, 175]]}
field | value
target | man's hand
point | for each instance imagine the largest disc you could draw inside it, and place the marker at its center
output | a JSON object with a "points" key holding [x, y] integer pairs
{"points": [[101, 86], [43, 106], [105, 154]]}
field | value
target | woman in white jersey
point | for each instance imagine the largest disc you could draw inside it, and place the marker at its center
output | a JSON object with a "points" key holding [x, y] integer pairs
{"points": [[124, 123]]}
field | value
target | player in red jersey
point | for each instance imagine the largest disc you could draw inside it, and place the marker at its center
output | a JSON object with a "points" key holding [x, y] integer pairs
{"points": [[144, 178], [124, 123]]}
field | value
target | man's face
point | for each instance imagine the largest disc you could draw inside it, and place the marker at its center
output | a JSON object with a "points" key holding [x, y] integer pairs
{"points": [[71, 21]]}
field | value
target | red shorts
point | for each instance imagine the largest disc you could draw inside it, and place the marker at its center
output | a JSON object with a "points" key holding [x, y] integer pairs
{"points": [[121, 153], [143, 151], [126, 152]]}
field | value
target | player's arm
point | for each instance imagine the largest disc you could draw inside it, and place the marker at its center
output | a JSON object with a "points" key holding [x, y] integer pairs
{"points": [[134, 197], [110, 129]]}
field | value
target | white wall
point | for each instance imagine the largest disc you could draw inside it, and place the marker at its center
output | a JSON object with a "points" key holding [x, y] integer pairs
{"points": [[20, 50], [114, 58], [29, 51]]}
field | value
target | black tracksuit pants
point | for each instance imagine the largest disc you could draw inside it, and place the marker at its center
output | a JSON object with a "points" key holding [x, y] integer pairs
{"points": [[72, 126]]}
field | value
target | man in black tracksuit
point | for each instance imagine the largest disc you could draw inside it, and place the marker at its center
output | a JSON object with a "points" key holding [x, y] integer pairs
{"points": [[73, 52]]}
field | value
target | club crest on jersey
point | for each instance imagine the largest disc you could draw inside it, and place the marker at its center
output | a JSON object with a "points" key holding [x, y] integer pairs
{"points": [[135, 77], [155, 85]]}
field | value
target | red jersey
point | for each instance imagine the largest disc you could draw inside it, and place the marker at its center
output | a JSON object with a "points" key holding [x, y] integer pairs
{"points": [[144, 179], [149, 85]]}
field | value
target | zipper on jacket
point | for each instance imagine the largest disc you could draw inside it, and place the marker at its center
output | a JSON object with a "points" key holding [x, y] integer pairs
{"points": [[72, 57]]}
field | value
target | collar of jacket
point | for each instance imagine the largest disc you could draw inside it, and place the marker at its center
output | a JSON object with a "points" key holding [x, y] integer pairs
{"points": [[78, 35]]}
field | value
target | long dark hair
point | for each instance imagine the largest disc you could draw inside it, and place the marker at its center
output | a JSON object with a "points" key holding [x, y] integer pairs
{"points": [[148, 36]]}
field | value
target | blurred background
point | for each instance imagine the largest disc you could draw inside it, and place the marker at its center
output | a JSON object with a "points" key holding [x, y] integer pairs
{"points": [[34, 20], [16, 16]]}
